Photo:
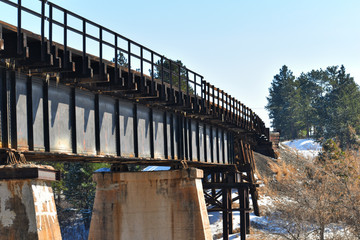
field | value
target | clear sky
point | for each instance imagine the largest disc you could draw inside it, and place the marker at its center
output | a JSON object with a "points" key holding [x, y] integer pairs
{"points": [[238, 45]]}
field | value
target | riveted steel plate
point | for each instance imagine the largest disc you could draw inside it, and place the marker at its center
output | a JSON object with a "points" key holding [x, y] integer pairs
{"points": [[107, 125], [126, 119], [59, 118], [158, 126], [21, 112], [143, 123], [85, 122]]}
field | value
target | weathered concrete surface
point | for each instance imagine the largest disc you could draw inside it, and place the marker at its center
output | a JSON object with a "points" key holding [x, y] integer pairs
{"points": [[164, 205], [28, 211]]}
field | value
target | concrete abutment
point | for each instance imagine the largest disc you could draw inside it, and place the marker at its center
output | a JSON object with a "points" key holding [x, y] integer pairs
{"points": [[27, 205], [162, 205]]}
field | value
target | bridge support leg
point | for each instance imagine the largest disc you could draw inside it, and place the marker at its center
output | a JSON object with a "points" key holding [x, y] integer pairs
{"points": [[163, 205], [225, 202], [27, 206], [243, 194]]}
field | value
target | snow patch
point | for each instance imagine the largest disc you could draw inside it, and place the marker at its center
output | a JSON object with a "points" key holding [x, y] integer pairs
{"points": [[308, 147], [156, 168]]}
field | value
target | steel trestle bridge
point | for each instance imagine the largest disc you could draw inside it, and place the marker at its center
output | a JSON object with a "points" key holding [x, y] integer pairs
{"points": [[61, 103]]}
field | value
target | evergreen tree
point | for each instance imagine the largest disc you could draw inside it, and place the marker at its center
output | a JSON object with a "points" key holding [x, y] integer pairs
{"points": [[280, 102], [122, 61], [307, 92], [339, 108], [164, 73], [320, 103]]}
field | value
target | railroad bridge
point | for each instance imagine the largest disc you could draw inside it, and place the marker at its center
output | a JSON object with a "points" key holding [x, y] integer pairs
{"points": [[125, 104]]}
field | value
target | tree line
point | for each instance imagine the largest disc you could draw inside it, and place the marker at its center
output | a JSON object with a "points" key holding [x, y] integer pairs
{"points": [[323, 104]]}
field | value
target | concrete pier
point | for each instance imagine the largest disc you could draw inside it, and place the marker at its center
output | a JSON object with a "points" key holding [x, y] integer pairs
{"points": [[27, 206], [163, 205]]}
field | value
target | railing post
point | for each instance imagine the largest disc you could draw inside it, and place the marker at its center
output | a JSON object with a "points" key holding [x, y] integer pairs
{"points": [[116, 56], [102, 70], [187, 89], [179, 100], [65, 41], [43, 47], [85, 64], [142, 62], [202, 94], [170, 76], [129, 64], [50, 23], [19, 34]]}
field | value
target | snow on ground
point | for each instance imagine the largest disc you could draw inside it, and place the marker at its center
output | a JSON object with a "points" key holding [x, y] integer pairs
{"points": [[308, 147], [156, 168], [216, 218]]}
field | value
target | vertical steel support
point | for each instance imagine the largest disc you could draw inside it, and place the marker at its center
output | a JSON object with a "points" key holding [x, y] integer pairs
{"points": [[172, 147], [223, 145], [247, 214], [225, 202], [46, 115], [242, 194], [186, 141], [97, 124], [198, 141], [232, 148], [217, 146], [13, 120], [166, 150], [180, 138], [73, 120], [230, 214], [190, 141], [117, 127], [4, 110], [213, 180], [211, 144], [136, 135], [151, 122], [29, 113], [205, 144]]}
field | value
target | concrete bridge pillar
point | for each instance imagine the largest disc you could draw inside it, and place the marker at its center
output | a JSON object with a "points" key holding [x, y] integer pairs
{"points": [[162, 205], [27, 206]]}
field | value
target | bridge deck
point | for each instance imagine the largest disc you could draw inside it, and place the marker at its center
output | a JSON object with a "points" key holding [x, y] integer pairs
{"points": [[44, 95]]}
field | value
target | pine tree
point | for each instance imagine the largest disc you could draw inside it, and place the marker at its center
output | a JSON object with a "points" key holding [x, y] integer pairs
{"points": [[307, 92], [80, 188], [280, 102], [339, 108]]}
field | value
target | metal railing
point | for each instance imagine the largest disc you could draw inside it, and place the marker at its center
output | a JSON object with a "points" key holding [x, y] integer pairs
{"points": [[212, 99]]}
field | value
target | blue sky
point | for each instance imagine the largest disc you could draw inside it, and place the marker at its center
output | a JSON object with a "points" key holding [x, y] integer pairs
{"points": [[237, 45]]}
